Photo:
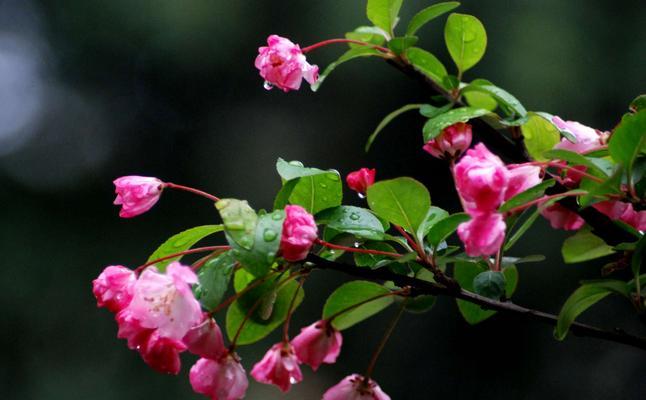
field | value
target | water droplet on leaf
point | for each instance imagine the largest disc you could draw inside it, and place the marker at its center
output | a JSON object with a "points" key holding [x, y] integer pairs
{"points": [[354, 216], [269, 235]]}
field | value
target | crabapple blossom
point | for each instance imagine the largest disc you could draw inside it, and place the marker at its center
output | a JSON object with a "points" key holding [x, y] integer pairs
{"points": [[317, 344], [136, 194], [451, 142], [618, 210], [522, 178], [282, 64], [220, 379], [586, 138], [279, 367], [483, 234], [162, 353], [299, 233], [361, 180], [113, 287], [562, 218], [205, 339], [355, 387], [130, 329]]}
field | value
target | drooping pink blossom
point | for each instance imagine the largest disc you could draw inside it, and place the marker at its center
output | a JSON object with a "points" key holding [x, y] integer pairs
{"points": [[299, 233], [522, 178], [361, 180], [625, 212], [165, 301], [636, 219], [586, 138], [481, 179], [113, 287], [483, 234], [136, 194], [451, 142], [130, 329], [355, 387], [562, 218], [282, 64], [317, 344], [162, 353], [221, 379], [205, 339], [278, 367]]}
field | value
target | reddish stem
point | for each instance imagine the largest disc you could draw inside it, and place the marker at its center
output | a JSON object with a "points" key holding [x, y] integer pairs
{"points": [[332, 41], [566, 167], [355, 250], [411, 242], [241, 293], [383, 341], [543, 199], [191, 190], [290, 310], [182, 253]]}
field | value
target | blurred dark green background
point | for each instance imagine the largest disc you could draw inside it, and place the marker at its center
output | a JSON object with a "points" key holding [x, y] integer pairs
{"points": [[91, 90]]}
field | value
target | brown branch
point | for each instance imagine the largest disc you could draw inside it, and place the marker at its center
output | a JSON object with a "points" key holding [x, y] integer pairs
{"points": [[421, 287]]}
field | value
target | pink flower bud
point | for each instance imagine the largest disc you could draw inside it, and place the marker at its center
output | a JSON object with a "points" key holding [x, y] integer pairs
{"points": [[162, 353], [361, 180], [113, 287], [562, 218], [166, 301], [522, 178], [636, 219], [481, 179], [131, 330], [451, 142], [587, 138], [282, 63], [222, 379], [136, 194], [205, 339], [317, 344], [299, 233], [618, 210], [279, 367], [355, 387], [483, 234]]}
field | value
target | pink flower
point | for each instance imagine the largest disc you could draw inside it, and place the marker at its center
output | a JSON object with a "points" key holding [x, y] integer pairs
{"points": [[131, 330], [483, 234], [283, 64], [113, 287], [317, 344], [279, 367], [299, 233], [481, 179], [562, 218], [165, 301], [636, 219], [355, 387], [451, 142], [618, 210], [136, 194], [522, 178], [205, 339], [222, 379], [587, 138], [162, 353], [361, 180]]}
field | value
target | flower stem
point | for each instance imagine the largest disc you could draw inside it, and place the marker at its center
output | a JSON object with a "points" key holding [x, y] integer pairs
{"points": [[384, 340], [331, 318], [418, 249], [332, 41], [290, 310], [356, 250], [182, 253], [543, 199], [191, 190], [241, 293]]}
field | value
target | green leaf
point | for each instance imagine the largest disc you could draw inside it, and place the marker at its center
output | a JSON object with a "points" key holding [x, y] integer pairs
{"points": [[315, 190], [371, 260], [289, 170], [350, 294], [597, 191], [263, 320], [576, 159], [354, 220], [583, 298], [638, 104], [260, 257], [481, 100], [239, 221], [540, 135], [445, 227], [629, 140], [434, 126], [524, 227], [387, 120], [465, 272], [368, 34], [433, 216], [351, 54], [282, 198], [401, 201], [528, 195], [428, 14], [427, 64], [584, 246], [214, 277], [430, 111], [383, 13], [399, 44], [638, 258], [466, 40], [508, 103], [181, 242], [490, 284]]}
